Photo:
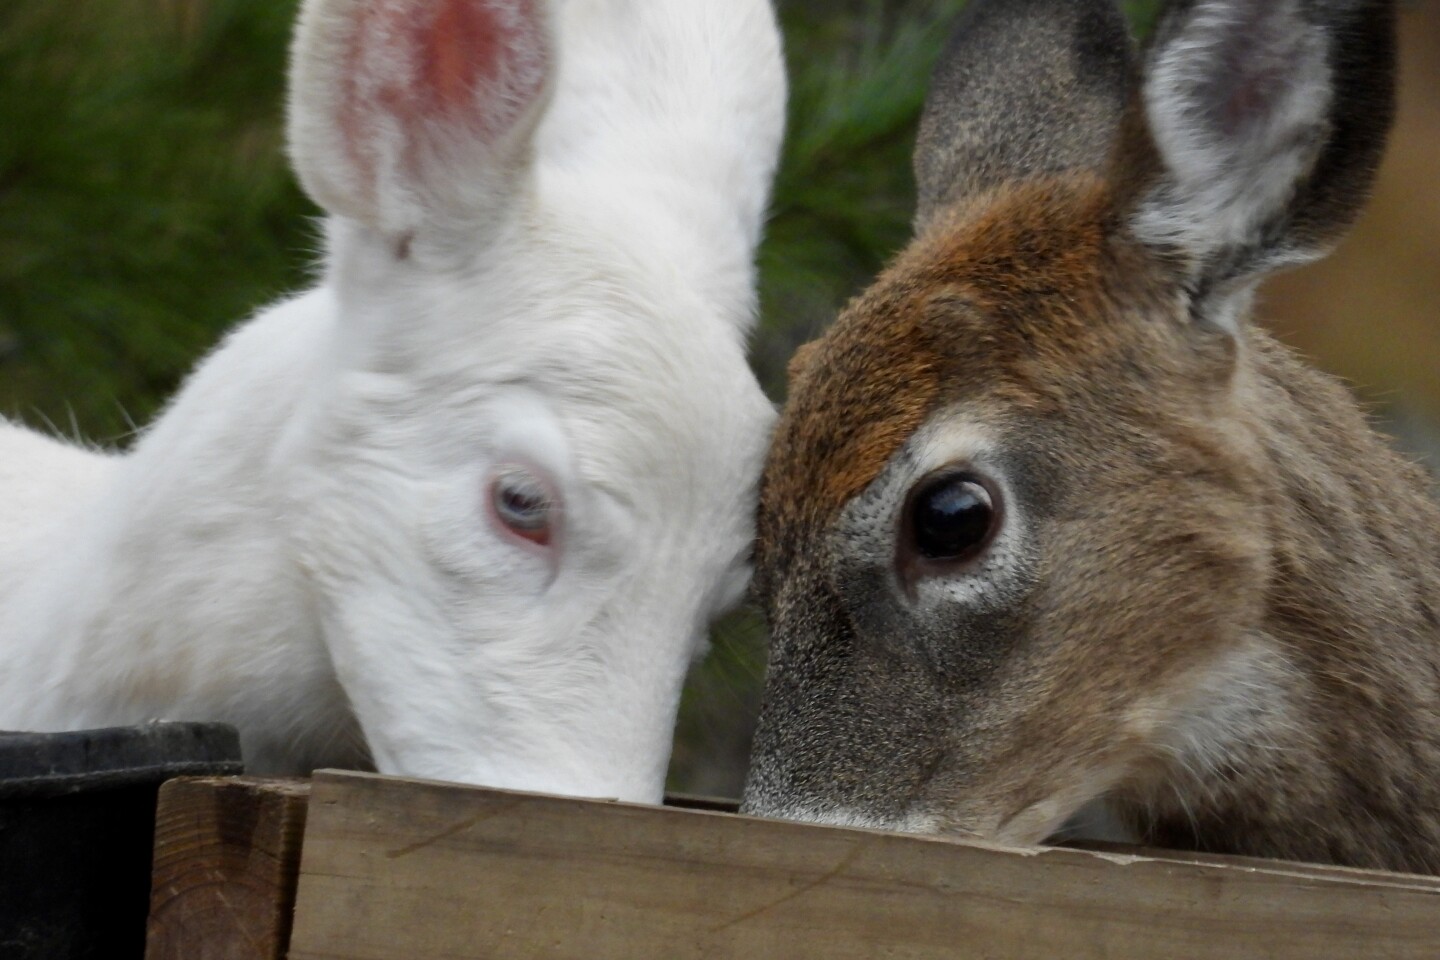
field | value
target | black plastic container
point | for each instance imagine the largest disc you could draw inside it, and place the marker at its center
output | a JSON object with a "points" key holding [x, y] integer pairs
{"points": [[77, 830]]}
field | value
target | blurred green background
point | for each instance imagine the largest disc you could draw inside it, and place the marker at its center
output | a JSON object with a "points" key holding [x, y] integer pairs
{"points": [[145, 206]]}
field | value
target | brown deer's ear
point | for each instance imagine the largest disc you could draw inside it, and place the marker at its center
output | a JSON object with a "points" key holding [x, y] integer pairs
{"points": [[1024, 88], [1266, 120]]}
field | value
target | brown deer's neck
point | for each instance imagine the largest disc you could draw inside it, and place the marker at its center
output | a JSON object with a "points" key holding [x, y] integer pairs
{"points": [[1346, 765]]}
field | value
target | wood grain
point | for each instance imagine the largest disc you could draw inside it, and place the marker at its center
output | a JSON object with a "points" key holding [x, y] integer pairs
{"points": [[227, 855], [403, 870]]}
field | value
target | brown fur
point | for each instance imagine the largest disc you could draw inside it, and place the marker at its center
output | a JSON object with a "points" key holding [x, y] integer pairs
{"points": [[1228, 496], [958, 312], [1202, 507]]}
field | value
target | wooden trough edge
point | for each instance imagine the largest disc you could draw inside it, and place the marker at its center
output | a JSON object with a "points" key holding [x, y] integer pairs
{"points": [[227, 859], [394, 868]]}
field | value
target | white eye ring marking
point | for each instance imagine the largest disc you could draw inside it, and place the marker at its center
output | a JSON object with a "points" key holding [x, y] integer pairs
{"points": [[523, 504]]}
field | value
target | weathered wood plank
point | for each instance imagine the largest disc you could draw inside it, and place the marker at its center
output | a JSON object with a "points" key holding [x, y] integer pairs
{"points": [[227, 855], [401, 870]]}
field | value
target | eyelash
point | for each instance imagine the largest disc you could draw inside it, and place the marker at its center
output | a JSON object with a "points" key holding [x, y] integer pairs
{"points": [[523, 505]]}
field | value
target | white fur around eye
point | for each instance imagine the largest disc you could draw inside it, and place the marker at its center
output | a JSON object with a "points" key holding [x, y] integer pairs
{"points": [[529, 432]]}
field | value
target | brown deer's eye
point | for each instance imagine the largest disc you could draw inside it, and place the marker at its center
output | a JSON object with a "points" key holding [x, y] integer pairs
{"points": [[952, 517]]}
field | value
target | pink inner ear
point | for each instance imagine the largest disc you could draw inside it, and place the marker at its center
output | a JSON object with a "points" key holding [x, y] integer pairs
{"points": [[462, 49], [467, 67]]}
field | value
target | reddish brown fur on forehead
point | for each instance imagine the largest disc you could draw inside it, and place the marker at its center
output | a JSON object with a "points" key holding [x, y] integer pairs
{"points": [[992, 300]]}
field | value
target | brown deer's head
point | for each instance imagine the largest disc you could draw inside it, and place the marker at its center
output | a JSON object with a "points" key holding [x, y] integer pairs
{"points": [[1048, 530]]}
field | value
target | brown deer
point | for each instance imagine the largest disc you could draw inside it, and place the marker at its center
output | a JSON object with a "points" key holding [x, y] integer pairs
{"points": [[1052, 538]]}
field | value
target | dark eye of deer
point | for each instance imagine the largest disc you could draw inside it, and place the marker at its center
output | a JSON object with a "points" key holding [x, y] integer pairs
{"points": [[524, 505], [952, 518]]}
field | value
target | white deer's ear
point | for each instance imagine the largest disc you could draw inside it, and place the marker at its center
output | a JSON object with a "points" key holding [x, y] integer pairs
{"points": [[408, 112], [1268, 118]]}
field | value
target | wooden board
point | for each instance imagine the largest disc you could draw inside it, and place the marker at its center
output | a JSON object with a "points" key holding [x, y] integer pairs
{"points": [[227, 855], [404, 870]]}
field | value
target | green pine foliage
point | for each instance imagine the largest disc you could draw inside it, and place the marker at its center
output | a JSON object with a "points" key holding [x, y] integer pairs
{"points": [[844, 194], [145, 207]]}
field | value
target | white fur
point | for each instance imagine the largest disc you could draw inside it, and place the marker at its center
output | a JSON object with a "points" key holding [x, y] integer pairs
{"points": [[1224, 184], [1230, 706], [917, 823], [1233, 705], [300, 544]]}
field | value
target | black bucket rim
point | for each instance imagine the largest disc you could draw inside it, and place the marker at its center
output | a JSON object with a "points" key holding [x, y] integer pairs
{"points": [[50, 764]]}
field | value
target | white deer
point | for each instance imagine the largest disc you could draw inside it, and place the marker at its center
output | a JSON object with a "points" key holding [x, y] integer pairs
{"points": [[470, 504]]}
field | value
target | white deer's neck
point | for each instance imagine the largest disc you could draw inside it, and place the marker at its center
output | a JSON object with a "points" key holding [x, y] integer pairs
{"points": [[169, 592]]}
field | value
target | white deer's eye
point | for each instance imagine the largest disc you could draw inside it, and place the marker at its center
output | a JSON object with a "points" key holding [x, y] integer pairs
{"points": [[524, 505]]}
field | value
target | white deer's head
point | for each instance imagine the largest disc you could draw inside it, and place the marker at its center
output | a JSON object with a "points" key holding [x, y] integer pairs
{"points": [[526, 478]]}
